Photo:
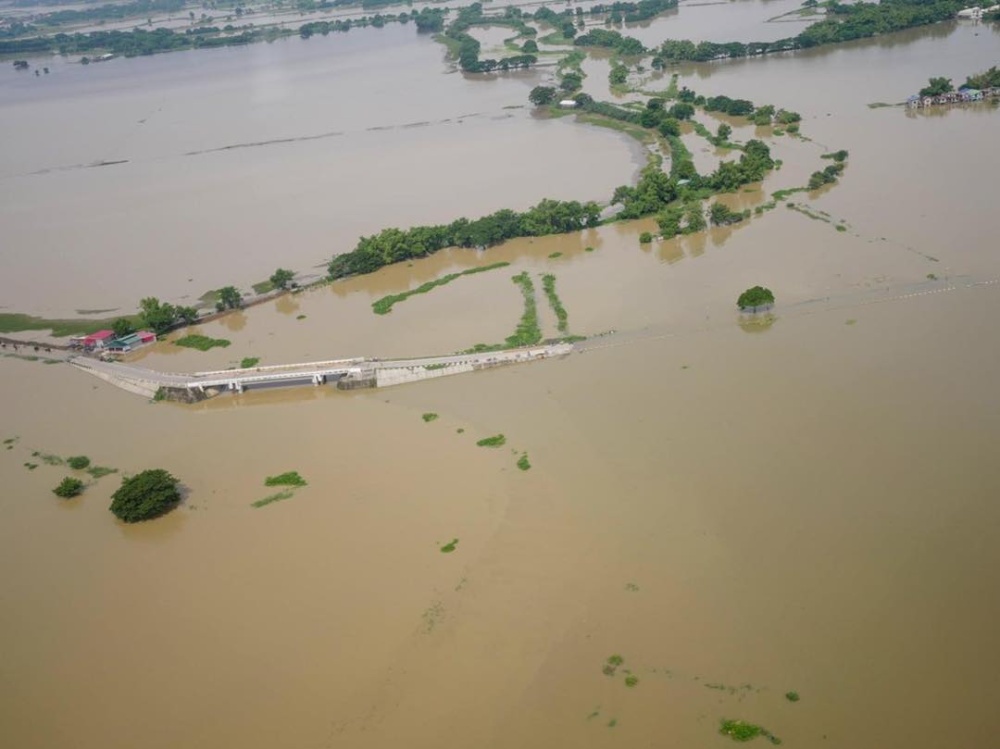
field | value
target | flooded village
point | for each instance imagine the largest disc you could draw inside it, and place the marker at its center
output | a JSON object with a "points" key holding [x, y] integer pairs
{"points": [[679, 523]]}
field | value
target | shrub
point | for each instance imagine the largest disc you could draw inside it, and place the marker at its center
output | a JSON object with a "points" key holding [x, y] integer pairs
{"points": [[78, 462], [497, 440], [69, 487], [755, 297], [144, 496], [645, 238]]}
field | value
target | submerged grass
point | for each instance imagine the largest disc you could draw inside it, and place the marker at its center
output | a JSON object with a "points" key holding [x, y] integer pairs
{"points": [[249, 361], [384, 305], [201, 342], [100, 471], [428, 417], [528, 332], [15, 322], [289, 478], [497, 440], [740, 730], [549, 285], [449, 547], [523, 463], [278, 497]]}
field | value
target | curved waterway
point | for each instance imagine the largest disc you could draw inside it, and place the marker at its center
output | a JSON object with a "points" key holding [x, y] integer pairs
{"points": [[737, 508]]}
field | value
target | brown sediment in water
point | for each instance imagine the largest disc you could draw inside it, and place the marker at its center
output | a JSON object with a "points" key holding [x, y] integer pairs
{"points": [[808, 509]]}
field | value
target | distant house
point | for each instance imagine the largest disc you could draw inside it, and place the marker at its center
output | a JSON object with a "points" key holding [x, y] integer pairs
{"points": [[101, 339], [130, 342], [568, 104]]}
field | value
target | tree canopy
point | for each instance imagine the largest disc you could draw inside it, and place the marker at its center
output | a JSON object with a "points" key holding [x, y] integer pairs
{"points": [[754, 297], [146, 495], [281, 278], [936, 87]]}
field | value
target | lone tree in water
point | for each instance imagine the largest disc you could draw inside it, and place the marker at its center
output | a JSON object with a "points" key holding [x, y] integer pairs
{"points": [[145, 496], [229, 298], [541, 95], [756, 297], [281, 278]]}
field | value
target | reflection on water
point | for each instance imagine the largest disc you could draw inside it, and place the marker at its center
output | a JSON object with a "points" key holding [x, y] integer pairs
{"points": [[757, 323]]}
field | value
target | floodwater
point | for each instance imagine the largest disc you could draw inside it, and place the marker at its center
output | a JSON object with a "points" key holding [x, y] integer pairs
{"points": [[738, 511], [220, 166]]}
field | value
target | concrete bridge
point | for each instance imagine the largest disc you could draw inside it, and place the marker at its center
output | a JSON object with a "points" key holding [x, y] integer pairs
{"points": [[348, 374]]}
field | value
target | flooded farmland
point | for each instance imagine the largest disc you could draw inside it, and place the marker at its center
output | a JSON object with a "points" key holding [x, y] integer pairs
{"points": [[736, 511]]}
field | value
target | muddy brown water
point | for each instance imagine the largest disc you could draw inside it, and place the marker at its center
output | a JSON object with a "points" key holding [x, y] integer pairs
{"points": [[806, 507]]}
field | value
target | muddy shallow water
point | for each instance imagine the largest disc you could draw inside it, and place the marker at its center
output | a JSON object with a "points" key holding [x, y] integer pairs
{"points": [[738, 511]]}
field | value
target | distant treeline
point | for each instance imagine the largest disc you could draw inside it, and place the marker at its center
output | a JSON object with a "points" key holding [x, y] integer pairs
{"points": [[654, 191], [845, 23], [109, 12], [393, 245], [468, 47]]}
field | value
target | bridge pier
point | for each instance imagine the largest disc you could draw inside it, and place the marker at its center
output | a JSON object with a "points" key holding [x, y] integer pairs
{"points": [[319, 379]]}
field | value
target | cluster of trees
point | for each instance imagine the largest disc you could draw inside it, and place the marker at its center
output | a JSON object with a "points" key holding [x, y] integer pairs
{"points": [[392, 245], [623, 45], [681, 218], [827, 176], [633, 12], [146, 495], [108, 12], [987, 79], [937, 86], [129, 43], [721, 215], [160, 316], [469, 47], [845, 22]]}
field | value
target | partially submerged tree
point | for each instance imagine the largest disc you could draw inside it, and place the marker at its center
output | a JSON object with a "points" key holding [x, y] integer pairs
{"points": [[541, 95], [754, 298], [122, 327], [145, 496], [281, 278], [68, 487], [229, 298], [158, 316], [936, 87]]}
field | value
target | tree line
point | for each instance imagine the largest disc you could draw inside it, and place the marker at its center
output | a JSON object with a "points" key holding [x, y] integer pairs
{"points": [[845, 22]]}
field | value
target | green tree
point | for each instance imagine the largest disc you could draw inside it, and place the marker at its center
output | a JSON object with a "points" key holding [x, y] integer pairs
{"points": [[723, 132], [122, 327], [755, 297], [571, 82], [157, 316], [281, 278], [146, 495], [542, 95], [68, 487], [530, 47], [187, 315], [936, 87], [695, 218], [681, 111], [230, 298], [645, 238], [618, 75]]}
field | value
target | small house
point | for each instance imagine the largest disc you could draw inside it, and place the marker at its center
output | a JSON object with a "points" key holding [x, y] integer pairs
{"points": [[98, 340], [568, 104]]}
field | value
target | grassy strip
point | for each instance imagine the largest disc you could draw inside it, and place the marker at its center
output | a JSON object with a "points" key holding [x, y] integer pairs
{"points": [[263, 287], [272, 498], [739, 730], [15, 322], [201, 342], [99, 471], [549, 284], [497, 440], [289, 478], [528, 332], [384, 305]]}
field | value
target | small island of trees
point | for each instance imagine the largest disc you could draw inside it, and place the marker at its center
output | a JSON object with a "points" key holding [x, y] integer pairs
{"points": [[754, 299], [146, 495]]}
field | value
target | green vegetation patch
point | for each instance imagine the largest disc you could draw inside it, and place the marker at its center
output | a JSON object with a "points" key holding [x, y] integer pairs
{"points": [[31, 466], [48, 459], [554, 255], [792, 696], [269, 499], [262, 287], [78, 462], [497, 440], [429, 417], [249, 361], [100, 471], [740, 730], [201, 342], [384, 305], [13, 322], [523, 463], [145, 496], [528, 333], [450, 546], [289, 478], [631, 680], [612, 664], [549, 286], [68, 487]]}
